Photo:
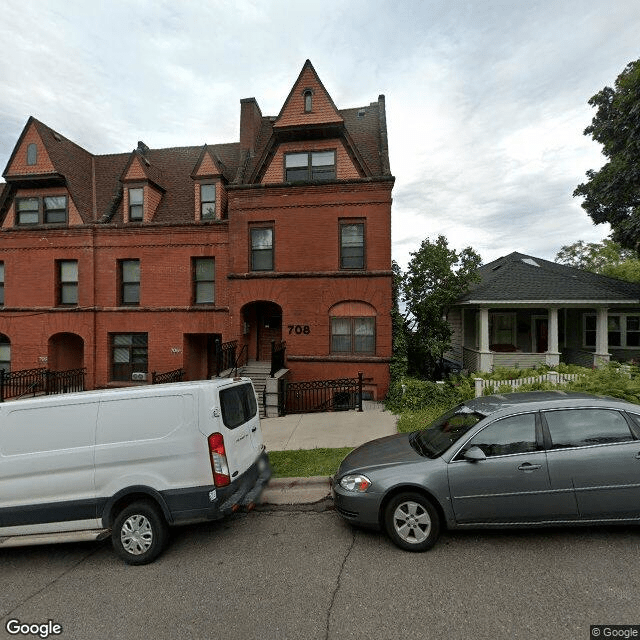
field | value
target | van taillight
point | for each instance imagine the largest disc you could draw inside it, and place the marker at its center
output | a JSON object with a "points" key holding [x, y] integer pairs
{"points": [[219, 464]]}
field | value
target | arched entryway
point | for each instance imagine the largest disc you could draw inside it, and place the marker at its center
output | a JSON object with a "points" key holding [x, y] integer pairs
{"points": [[262, 325], [66, 351]]}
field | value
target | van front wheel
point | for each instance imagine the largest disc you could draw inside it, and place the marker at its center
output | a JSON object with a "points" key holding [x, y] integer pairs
{"points": [[139, 533]]}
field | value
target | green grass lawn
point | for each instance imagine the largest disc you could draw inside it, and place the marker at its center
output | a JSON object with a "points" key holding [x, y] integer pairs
{"points": [[304, 463]]}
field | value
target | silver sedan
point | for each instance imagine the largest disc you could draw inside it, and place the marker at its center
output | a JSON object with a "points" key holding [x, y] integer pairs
{"points": [[513, 460]]}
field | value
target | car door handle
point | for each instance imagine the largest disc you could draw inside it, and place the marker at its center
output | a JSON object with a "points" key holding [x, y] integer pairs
{"points": [[527, 466], [638, 456], [254, 429]]}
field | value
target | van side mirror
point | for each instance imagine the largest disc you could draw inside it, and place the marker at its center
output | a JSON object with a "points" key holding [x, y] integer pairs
{"points": [[474, 454]]}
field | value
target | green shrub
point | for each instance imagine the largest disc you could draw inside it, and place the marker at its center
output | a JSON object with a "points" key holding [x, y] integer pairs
{"points": [[413, 420], [412, 394], [613, 380]]}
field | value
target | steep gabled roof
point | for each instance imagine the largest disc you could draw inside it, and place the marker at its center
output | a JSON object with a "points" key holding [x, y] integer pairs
{"points": [[520, 278], [175, 165], [68, 160], [324, 110]]}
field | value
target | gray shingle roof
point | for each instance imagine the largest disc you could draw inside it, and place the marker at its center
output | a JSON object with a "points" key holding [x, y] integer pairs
{"points": [[518, 277]]}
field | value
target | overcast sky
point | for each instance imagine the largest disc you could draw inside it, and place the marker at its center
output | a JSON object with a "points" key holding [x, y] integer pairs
{"points": [[486, 100]]}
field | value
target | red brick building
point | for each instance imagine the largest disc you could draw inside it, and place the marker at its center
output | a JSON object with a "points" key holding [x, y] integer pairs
{"points": [[144, 261]]}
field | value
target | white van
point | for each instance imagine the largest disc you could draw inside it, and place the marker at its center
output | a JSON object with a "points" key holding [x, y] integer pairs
{"points": [[128, 463]]}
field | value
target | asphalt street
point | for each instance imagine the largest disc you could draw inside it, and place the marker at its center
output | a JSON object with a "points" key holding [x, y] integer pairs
{"points": [[305, 574]]}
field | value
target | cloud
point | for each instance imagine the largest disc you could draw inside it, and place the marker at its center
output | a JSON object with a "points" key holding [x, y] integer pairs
{"points": [[486, 101]]}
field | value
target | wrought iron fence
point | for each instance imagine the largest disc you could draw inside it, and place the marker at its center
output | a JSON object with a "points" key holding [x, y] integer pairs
{"points": [[176, 375], [320, 395], [41, 381]]}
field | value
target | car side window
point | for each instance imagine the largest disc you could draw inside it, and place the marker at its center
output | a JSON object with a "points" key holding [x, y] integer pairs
{"points": [[515, 434], [635, 424], [238, 405], [585, 427]]}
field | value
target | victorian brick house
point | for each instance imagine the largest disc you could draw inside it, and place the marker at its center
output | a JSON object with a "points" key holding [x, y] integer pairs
{"points": [[144, 261]]}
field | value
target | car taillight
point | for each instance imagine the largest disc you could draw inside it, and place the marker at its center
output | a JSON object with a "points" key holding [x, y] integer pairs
{"points": [[219, 464]]}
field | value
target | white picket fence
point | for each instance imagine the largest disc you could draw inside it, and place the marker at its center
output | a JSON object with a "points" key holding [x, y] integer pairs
{"points": [[552, 376]]}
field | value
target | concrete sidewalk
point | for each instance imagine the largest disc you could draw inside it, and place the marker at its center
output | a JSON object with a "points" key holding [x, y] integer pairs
{"points": [[331, 430], [319, 430]]}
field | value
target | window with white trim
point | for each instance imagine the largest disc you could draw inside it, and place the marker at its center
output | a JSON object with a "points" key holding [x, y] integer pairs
{"points": [[623, 330]]}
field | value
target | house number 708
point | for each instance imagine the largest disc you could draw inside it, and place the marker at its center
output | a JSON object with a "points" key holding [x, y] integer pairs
{"points": [[299, 329]]}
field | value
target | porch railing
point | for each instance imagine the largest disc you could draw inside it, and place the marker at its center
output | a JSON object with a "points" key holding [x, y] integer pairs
{"points": [[41, 381], [177, 375], [278, 356], [226, 356], [484, 387], [320, 395]]}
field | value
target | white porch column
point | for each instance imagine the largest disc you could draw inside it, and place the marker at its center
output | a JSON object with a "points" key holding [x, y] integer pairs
{"points": [[486, 358], [553, 353], [601, 356]]}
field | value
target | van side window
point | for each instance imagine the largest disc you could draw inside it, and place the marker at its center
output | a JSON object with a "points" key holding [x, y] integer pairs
{"points": [[238, 405]]}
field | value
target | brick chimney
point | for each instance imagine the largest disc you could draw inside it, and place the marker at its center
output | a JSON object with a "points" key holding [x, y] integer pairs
{"points": [[250, 117]]}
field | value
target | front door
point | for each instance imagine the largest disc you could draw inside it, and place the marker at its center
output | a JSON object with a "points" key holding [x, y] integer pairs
{"points": [[269, 329], [541, 335]]}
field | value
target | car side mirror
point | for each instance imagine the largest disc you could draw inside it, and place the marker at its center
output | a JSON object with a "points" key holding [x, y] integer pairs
{"points": [[474, 454]]}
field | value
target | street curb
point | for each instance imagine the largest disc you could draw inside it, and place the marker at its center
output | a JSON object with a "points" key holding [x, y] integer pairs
{"points": [[285, 493]]}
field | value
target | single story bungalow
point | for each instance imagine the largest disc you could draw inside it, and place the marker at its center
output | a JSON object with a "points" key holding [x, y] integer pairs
{"points": [[526, 312]]}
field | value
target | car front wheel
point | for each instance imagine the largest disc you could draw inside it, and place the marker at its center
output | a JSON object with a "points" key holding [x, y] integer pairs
{"points": [[139, 533], [412, 522]]}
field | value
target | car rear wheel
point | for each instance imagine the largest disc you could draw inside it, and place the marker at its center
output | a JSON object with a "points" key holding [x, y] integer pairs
{"points": [[139, 533], [412, 522]]}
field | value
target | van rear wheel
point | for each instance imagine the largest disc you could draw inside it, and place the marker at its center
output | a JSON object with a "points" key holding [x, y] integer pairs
{"points": [[139, 533]]}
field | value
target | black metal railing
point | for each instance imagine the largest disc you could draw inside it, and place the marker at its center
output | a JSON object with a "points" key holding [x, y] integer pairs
{"points": [[320, 395], [278, 356], [225, 356], [177, 375], [243, 358], [41, 381]]}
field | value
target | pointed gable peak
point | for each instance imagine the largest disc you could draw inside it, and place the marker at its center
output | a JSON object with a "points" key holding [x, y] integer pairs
{"points": [[308, 103], [139, 168], [209, 164], [30, 155]]}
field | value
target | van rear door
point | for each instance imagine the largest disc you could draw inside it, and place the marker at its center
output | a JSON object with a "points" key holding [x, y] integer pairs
{"points": [[241, 426]]}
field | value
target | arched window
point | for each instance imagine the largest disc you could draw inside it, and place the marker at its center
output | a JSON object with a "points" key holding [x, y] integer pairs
{"points": [[308, 100], [353, 328]]}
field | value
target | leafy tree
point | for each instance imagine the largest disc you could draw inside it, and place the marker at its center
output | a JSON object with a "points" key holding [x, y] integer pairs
{"points": [[436, 276], [606, 257], [612, 194]]}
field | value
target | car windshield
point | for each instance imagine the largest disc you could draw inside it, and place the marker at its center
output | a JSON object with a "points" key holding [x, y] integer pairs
{"points": [[443, 432]]}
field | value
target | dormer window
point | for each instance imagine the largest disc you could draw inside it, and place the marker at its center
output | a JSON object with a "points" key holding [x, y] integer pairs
{"points": [[55, 209], [310, 165], [308, 100], [32, 154], [46, 210], [208, 201], [136, 202]]}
